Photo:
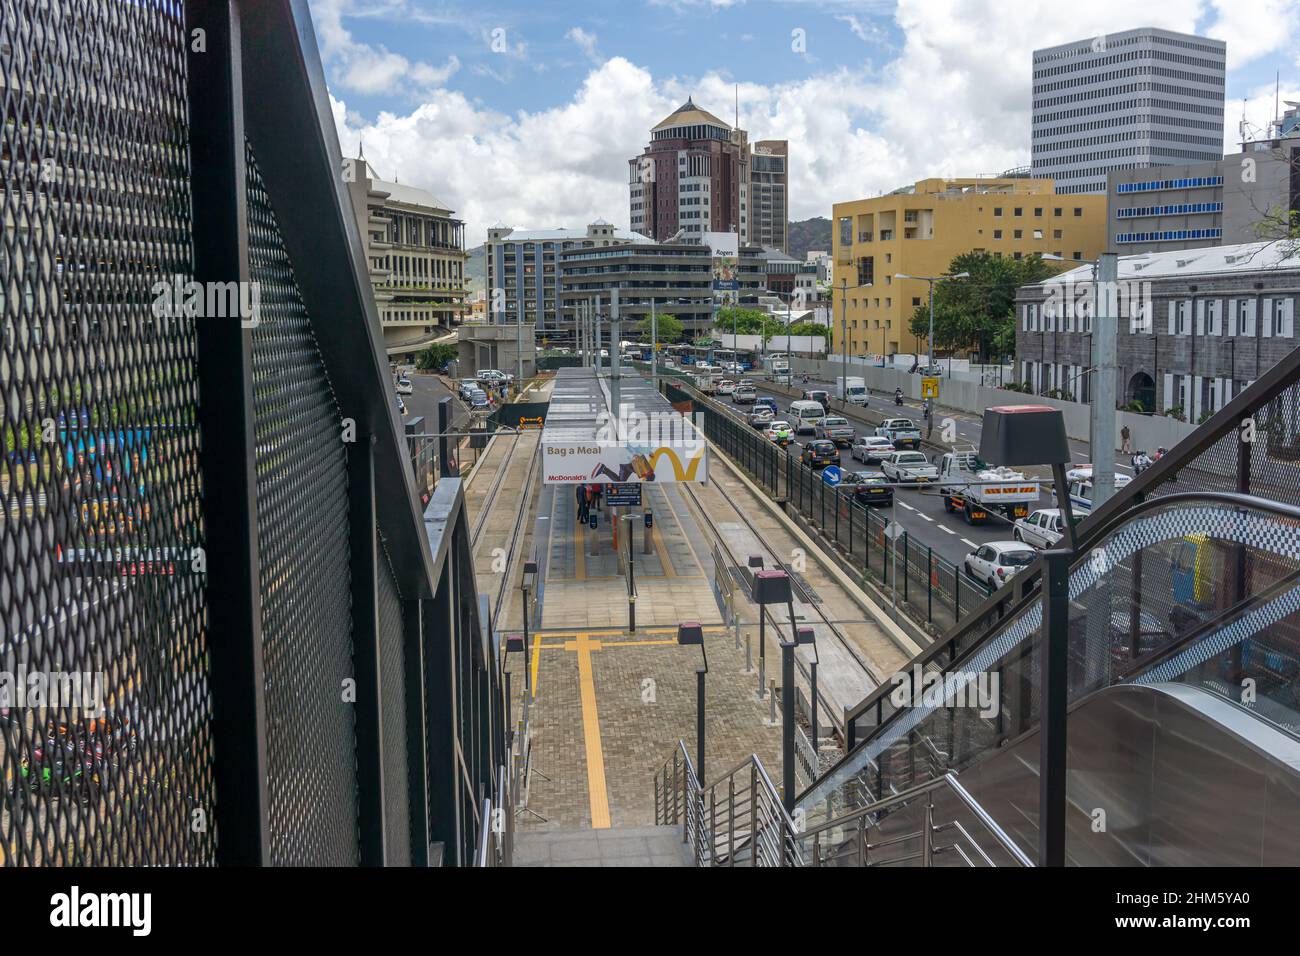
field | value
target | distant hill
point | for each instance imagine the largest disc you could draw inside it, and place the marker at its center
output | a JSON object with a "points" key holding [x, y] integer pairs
{"points": [[476, 268], [814, 233]]}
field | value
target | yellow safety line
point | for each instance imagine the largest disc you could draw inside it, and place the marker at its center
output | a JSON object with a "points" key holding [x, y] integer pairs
{"points": [[597, 792], [537, 661]]}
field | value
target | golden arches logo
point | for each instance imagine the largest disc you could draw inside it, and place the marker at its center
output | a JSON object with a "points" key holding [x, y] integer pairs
{"points": [[681, 474]]}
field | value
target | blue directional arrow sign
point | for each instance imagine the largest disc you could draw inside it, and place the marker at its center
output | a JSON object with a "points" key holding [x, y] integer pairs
{"points": [[832, 475]]}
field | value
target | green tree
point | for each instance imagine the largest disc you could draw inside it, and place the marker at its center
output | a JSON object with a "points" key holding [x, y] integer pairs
{"points": [[669, 328], [747, 322], [810, 328], [979, 312], [435, 356]]}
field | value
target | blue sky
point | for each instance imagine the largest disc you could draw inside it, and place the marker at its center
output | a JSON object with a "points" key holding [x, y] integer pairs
{"points": [[526, 113]]}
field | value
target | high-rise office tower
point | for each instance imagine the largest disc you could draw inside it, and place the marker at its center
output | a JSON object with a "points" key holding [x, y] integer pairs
{"points": [[769, 194], [693, 178], [1129, 100]]}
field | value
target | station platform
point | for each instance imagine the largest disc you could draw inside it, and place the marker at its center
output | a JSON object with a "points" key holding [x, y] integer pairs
{"points": [[609, 697]]}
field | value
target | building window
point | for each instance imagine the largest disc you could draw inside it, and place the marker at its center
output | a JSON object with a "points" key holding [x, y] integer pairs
{"points": [[997, 233], [1038, 211], [997, 210], [1019, 211], [1078, 212], [1019, 234]]}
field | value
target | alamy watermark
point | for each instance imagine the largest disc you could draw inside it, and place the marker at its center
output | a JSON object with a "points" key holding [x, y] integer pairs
{"points": [[980, 690], [179, 298], [654, 429], [76, 690]]}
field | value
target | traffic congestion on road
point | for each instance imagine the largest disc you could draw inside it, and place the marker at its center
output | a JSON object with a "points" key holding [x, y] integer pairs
{"points": [[843, 438]]}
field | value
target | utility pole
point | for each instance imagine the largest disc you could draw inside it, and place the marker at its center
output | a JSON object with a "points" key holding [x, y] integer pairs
{"points": [[844, 334], [595, 346], [614, 369], [1104, 334], [654, 346]]}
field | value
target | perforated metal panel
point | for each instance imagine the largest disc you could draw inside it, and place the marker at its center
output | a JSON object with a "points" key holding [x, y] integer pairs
{"points": [[397, 800], [99, 452], [302, 526]]}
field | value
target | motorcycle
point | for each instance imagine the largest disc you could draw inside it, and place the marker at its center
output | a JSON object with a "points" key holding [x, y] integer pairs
{"points": [[898, 398]]}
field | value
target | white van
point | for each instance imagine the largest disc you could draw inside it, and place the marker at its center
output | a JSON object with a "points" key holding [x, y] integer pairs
{"points": [[805, 416], [1081, 493]]}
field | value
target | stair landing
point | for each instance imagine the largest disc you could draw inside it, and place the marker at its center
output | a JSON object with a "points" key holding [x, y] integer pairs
{"points": [[620, 846]]}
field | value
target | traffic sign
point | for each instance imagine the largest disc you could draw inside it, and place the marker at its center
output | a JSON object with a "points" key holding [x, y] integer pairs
{"points": [[893, 530], [626, 493], [930, 387], [832, 475]]}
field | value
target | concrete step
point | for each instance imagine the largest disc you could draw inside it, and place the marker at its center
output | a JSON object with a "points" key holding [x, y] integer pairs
{"points": [[618, 846]]}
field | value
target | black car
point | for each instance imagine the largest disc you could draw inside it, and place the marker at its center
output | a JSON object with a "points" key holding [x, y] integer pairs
{"points": [[869, 488], [818, 454]]}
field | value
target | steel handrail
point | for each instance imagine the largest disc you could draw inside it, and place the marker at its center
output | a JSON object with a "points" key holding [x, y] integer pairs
{"points": [[949, 782], [1289, 512]]}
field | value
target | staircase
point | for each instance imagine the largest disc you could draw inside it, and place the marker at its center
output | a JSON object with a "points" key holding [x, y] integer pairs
{"points": [[621, 846]]}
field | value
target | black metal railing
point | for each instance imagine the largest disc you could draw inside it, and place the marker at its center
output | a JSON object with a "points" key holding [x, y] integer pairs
{"points": [[213, 529], [928, 586]]}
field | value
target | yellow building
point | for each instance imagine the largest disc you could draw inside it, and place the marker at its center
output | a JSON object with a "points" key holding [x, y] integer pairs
{"points": [[918, 230]]}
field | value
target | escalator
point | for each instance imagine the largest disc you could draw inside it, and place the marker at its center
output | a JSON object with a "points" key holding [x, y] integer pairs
{"points": [[1183, 689]]}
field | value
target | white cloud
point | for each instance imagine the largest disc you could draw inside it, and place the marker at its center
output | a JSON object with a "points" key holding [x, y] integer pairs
{"points": [[586, 41], [954, 100], [1255, 28], [371, 70]]}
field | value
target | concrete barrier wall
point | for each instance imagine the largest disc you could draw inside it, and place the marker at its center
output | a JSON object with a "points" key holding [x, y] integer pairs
{"points": [[1148, 431]]}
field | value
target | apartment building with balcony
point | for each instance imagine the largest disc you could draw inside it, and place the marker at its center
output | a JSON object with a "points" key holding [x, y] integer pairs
{"points": [[919, 229], [415, 250], [522, 275]]}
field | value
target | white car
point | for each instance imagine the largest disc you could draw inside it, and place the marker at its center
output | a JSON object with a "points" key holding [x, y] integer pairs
{"points": [[779, 429], [909, 468], [870, 449], [1042, 529], [997, 562], [743, 395], [404, 386], [466, 387], [726, 387], [760, 417]]}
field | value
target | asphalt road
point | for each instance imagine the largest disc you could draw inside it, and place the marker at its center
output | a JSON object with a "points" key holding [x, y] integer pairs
{"points": [[921, 511]]}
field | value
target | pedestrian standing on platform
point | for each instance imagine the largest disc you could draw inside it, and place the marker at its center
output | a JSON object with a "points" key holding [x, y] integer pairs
{"points": [[1126, 444], [582, 504]]}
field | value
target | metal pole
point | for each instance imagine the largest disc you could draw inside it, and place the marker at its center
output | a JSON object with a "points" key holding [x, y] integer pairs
{"points": [[654, 345], [1101, 437], [595, 347], [844, 345], [519, 346], [787, 724], [929, 362], [1053, 688], [699, 725], [615, 369]]}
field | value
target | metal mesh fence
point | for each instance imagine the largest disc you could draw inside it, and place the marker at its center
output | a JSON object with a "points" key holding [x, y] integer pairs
{"points": [[305, 578], [397, 798], [105, 738], [930, 587]]}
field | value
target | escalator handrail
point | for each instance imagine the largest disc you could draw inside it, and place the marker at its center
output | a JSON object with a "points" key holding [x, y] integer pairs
{"points": [[1099, 535]]}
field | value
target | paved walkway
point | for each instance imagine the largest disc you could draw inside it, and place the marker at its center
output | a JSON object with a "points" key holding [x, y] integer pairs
{"points": [[626, 846]]}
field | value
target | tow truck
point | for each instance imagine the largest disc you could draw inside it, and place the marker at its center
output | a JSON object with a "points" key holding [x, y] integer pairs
{"points": [[976, 488]]}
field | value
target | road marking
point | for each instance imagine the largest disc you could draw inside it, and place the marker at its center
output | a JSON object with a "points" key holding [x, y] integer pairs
{"points": [[597, 790], [537, 660], [969, 542], [928, 518], [907, 506], [946, 529]]}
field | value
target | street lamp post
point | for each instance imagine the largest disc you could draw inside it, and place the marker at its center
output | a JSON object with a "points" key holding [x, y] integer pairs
{"points": [[844, 334], [802, 635], [929, 358], [691, 632]]}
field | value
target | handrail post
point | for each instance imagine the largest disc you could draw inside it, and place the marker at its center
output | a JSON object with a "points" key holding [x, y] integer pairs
{"points": [[927, 832], [731, 819], [1053, 688], [753, 814]]}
